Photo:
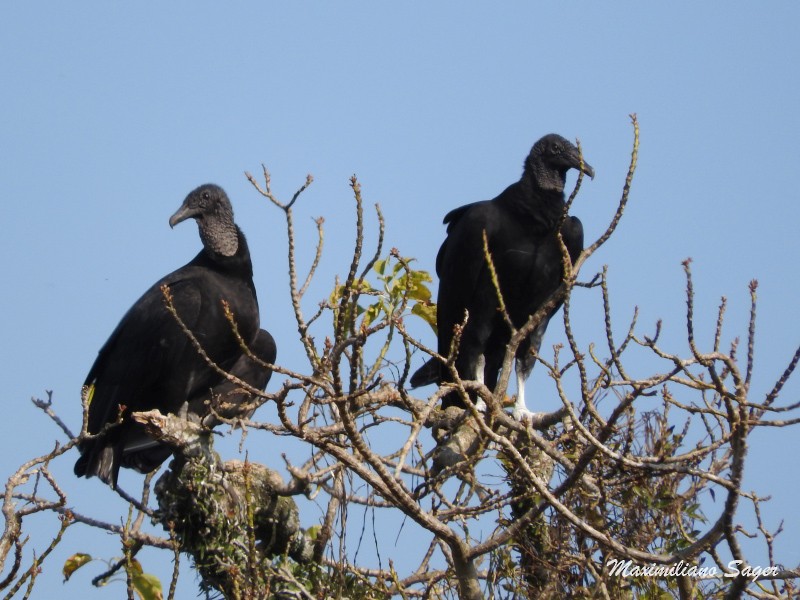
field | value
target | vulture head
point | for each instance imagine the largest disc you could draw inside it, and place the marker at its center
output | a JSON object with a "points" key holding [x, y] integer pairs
{"points": [[550, 159], [210, 207]]}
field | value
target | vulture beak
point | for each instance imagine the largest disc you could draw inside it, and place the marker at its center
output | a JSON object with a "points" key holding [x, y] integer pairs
{"points": [[576, 163], [183, 213]]}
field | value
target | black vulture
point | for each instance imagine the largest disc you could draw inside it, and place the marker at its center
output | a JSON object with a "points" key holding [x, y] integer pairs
{"points": [[149, 361], [520, 226]]}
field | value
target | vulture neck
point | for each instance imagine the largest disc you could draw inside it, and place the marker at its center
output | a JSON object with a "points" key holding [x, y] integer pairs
{"points": [[238, 265], [545, 178], [540, 198], [220, 236]]}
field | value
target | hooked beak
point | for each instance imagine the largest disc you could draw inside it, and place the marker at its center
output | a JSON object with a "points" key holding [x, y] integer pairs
{"points": [[574, 160], [580, 165], [183, 213], [587, 168]]}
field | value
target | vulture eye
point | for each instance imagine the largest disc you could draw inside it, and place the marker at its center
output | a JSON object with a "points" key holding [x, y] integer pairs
{"points": [[206, 196]]}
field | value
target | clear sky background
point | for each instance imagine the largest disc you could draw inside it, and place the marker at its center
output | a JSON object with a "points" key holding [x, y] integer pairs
{"points": [[112, 113]]}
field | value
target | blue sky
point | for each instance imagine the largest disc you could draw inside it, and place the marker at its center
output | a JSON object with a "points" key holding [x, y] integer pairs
{"points": [[112, 112]]}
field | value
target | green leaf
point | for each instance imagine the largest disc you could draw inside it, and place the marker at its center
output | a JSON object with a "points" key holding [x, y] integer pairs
{"points": [[134, 567], [421, 276], [396, 269], [371, 313], [426, 312], [693, 511], [313, 531], [420, 293], [75, 562], [148, 587]]}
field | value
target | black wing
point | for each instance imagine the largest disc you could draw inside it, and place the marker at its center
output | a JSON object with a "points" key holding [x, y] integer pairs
{"points": [[228, 399], [463, 272], [149, 361]]}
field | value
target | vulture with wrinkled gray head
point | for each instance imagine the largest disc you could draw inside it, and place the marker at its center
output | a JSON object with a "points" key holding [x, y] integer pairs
{"points": [[150, 363]]}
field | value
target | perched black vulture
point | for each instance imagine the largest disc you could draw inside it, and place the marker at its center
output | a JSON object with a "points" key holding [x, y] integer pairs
{"points": [[520, 226], [149, 362]]}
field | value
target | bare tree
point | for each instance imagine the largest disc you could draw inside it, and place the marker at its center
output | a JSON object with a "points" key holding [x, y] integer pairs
{"points": [[599, 499]]}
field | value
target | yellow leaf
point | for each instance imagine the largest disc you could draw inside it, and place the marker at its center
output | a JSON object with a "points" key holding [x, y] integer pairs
{"points": [[148, 587], [75, 562], [427, 312]]}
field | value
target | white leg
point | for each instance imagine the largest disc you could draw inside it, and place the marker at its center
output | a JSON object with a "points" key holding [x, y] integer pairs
{"points": [[521, 412], [480, 367]]}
